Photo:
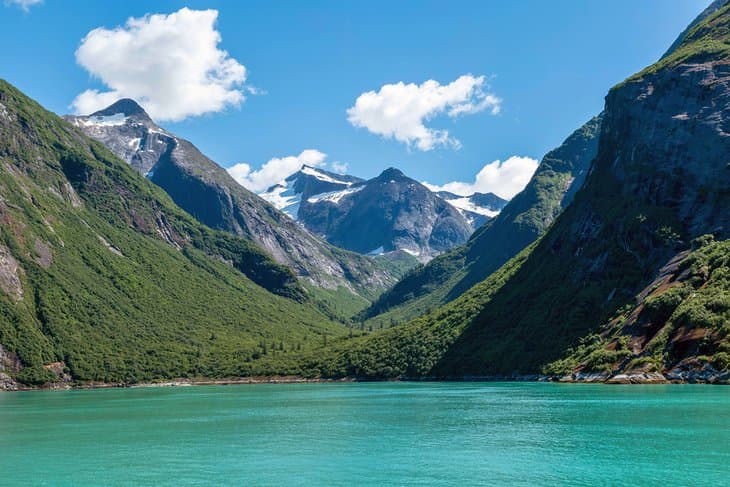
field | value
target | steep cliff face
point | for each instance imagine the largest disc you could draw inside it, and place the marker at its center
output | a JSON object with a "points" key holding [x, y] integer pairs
{"points": [[210, 194], [659, 183], [521, 221]]}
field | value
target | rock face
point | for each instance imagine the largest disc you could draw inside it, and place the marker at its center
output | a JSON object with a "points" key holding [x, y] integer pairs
{"points": [[9, 363], [126, 129], [10, 275], [387, 213], [210, 194]]}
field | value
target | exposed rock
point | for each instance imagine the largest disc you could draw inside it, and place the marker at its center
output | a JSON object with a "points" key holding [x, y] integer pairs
{"points": [[71, 196], [61, 371], [109, 246], [697, 371], [7, 383], [585, 377], [637, 378], [4, 113], [9, 363], [44, 255], [10, 275]]}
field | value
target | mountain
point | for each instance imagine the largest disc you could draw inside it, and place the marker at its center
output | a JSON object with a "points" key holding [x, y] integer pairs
{"points": [[477, 208], [389, 212], [630, 282], [307, 183], [209, 193], [383, 214], [104, 278], [521, 221]]}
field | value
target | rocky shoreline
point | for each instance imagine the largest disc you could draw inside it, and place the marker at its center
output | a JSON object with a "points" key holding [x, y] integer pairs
{"points": [[709, 376], [9, 385]]}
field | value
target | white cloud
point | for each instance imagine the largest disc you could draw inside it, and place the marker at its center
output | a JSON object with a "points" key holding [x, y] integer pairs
{"points": [[25, 5], [339, 167], [505, 179], [170, 64], [274, 170], [399, 110]]}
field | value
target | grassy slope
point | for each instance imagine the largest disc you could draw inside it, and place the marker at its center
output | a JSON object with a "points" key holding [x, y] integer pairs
{"points": [[177, 301]]}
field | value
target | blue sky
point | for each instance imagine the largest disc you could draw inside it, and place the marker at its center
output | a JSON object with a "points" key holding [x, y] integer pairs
{"points": [[543, 66]]}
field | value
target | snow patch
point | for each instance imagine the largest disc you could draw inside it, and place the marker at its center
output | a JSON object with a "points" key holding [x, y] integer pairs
{"points": [[334, 196], [310, 171], [105, 121], [284, 199], [465, 204], [134, 143], [414, 253]]}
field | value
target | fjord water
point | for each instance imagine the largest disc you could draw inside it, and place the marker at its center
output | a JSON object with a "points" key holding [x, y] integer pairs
{"points": [[368, 434]]}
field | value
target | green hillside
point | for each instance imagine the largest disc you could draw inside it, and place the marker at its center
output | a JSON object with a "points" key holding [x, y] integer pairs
{"points": [[99, 269]]}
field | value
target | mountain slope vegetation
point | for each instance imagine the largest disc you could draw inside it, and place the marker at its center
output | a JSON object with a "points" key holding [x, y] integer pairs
{"points": [[104, 278], [660, 183]]}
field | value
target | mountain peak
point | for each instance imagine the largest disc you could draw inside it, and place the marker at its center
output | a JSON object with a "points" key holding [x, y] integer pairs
{"points": [[392, 173], [127, 106]]}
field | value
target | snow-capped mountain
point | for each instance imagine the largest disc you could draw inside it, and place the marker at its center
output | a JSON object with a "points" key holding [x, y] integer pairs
{"points": [[309, 183], [386, 213], [209, 193], [477, 208], [127, 130]]}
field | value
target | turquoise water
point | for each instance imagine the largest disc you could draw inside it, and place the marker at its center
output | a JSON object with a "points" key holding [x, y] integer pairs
{"points": [[369, 434]]}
